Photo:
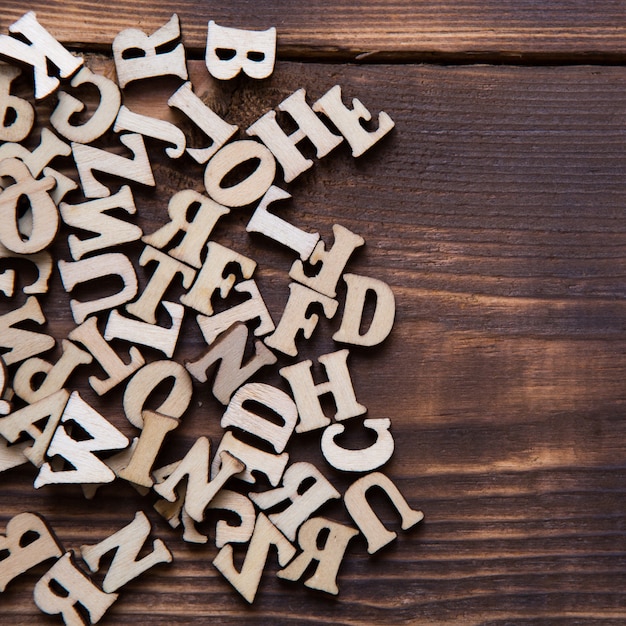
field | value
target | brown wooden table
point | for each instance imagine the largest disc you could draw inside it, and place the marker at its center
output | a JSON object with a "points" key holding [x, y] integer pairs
{"points": [[496, 212]]}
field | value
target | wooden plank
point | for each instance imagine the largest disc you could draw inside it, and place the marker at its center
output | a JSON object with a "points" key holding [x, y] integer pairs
{"points": [[495, 212], [363, 30]]}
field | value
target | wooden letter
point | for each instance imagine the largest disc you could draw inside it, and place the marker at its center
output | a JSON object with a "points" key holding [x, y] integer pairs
{"points": [[127, 544], [211, 277], [278, 229], [240, 505], [56, 375], [11, 456], [23, 344], [231, 50], [348, 121], [204, 118], [253, 308], [376, 534], [364, 460], [197, 231], [50, 146], [28, 421], [283, 146], [332, 262], [88, 159], [87, 467], [155, 428], [135, 331], [166, 269], [16, 115], [147, 379], [77, 589], [19, 554], [272, 465], [92, 216], [149, 63], [328, 557], [295, 318], [382, 321], [306, 393], [44, 214], [246, 582], [195, 466], [43, 47], [89, 336], [251, 188], [101, 119], [229, 351], [152, 127], [43, 263], [303, 501], [108, 264], [268, 397]]}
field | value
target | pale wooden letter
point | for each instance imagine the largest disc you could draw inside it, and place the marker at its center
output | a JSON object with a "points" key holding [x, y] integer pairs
{"points": [[78, 589], [307, 394], [250, 51], [149, 63], [368, 523], [43, 47], [127, 544]]}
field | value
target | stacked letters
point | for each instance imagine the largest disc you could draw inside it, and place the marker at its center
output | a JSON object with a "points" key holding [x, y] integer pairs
{"points": [[40, 415]]}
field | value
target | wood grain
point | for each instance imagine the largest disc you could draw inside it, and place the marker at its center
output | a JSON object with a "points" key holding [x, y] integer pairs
{"points": [[495, 212], [391, 29]]}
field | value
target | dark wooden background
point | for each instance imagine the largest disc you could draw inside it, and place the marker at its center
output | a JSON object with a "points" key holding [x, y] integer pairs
{"points": [[496, 211]]}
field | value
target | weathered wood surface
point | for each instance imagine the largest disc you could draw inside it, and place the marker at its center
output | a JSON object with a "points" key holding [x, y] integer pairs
{"points": [[495, 212], [514, 31]]}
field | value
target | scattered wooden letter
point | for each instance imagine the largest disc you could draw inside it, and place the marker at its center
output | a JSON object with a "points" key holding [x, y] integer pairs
{"points": [[43, 47], [332, 261], [382, 319], [167, 268], [149, 63], [251, 188], [102, 118], [146, 380], [87, 467], [23, 344], [364, 460], [246, 582], [296, 318], [92, 216], [304, 497], [127, 544], [44, 214], [231, 50], [271, 399], [92, 268], [328, 557], [348, 121], [89, 159], [251, 309], [204, 118], [16, 115], [153, 433], [211, 277], [283, 146], [88, 335], [229, 349], [76, 590], [376, 534], [307, 394], [278, 229], [20, 555]]}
